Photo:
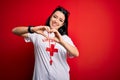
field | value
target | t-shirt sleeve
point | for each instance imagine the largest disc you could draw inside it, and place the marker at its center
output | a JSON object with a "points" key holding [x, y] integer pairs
{"points": [[68, 40], [30, 38]]}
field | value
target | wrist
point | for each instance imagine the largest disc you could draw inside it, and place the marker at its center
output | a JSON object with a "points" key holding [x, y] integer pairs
{"points": [[62, 42], [30, 29]]}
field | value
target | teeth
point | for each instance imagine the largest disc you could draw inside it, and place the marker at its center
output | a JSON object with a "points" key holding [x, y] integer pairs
{"points": [[54, 25]]}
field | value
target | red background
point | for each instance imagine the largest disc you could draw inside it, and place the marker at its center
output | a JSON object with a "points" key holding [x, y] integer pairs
{"points": [[94, 26]]}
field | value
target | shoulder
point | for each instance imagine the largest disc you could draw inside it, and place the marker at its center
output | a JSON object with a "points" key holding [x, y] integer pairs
{"points": [[34, 36], [66, 37]]}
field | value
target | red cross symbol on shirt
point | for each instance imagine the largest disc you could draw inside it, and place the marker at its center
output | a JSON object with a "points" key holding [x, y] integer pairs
{"points": [[52, 49]]}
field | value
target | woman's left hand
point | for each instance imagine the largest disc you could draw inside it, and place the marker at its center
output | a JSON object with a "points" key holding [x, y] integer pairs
{"points": [[58, 38]]}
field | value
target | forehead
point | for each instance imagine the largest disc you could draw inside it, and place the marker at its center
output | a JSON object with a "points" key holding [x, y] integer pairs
{"points": [[59, 14]]}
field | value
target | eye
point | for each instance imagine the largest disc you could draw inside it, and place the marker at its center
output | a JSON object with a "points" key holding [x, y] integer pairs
{"points": [[54, 16], [61, 20]]}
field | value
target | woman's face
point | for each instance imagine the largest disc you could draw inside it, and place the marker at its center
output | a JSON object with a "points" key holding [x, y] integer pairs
{"points": [[57, 20]]}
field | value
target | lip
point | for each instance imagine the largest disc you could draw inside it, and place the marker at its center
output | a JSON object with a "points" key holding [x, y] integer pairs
{"points": [[54, 24]]}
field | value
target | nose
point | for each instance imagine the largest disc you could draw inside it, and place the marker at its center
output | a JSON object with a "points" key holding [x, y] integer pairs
{"points": [[56, 20]]}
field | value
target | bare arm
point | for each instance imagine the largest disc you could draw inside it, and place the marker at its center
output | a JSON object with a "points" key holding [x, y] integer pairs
{"points": [[72, 50], [23, 30], [20, 31]]}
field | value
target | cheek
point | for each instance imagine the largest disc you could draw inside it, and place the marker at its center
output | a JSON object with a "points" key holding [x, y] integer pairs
{"points": [[61, 23], [52, 19], [50, 22]]}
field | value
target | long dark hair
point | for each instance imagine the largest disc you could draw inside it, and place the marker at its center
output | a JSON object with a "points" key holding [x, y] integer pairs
{"points": [[64, 29]]}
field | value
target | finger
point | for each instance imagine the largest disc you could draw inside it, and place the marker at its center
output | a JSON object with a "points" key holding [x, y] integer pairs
{"points": [[55, 32], [44, 35], [47, 28], [52, 31], [54, 39], [39, 27]]}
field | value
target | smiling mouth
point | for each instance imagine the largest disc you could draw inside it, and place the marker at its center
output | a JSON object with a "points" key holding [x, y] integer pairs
{"points": [[54, 25]]}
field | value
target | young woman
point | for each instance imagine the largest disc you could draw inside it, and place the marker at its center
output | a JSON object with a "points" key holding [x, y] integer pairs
{"points": [[52, 46]]}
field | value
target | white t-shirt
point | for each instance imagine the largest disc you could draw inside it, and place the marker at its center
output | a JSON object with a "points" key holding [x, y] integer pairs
{"points": [[59, 70]]}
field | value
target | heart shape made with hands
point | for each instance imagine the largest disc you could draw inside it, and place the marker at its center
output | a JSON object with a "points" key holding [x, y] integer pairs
{"points": [[49, 35]]}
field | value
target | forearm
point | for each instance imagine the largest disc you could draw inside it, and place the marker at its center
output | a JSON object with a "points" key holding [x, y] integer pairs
{"points": [[71, 49], [20, 30]]}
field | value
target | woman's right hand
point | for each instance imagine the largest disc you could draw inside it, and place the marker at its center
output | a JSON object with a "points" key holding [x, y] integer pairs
{"points": [[40, 29]]}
